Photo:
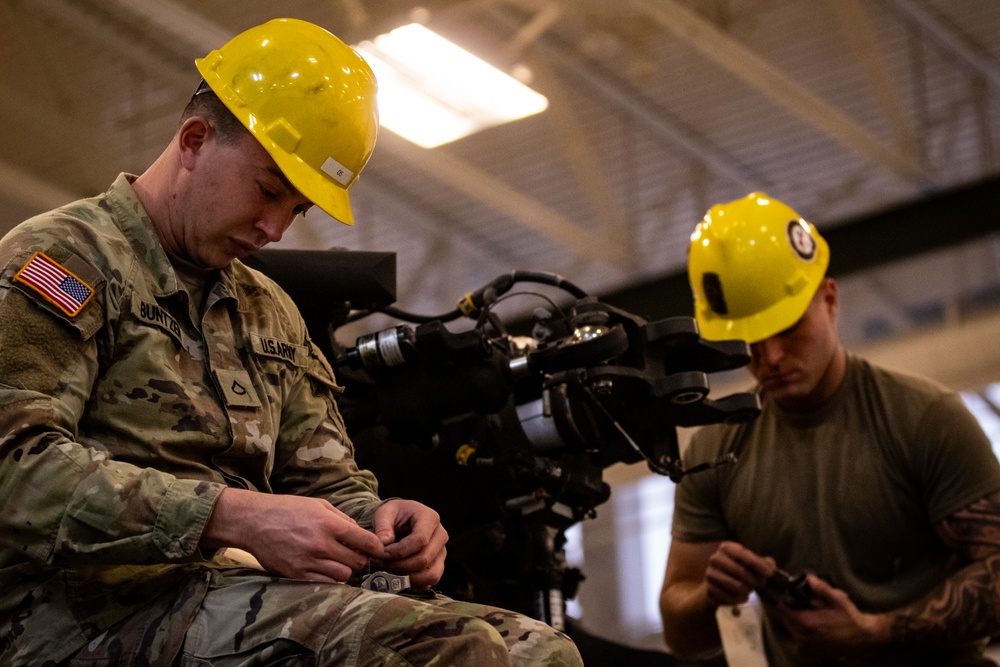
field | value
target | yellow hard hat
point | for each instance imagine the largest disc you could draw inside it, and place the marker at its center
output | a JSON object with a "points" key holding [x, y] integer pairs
{"points": [[308, 98], [754, 265]]}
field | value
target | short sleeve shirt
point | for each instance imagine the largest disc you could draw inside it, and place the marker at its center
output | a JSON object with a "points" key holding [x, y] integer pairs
{"points": [[851, 492]]}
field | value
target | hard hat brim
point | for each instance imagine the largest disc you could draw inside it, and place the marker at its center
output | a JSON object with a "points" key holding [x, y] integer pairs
{"points": [[757, 327], [331, 199]]}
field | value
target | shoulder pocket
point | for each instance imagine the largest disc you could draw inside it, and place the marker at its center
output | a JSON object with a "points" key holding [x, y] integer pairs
{"points": [[65, 288], [37, 345]]}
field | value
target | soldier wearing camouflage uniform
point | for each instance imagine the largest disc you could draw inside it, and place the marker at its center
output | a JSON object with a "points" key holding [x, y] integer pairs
{"points": [[160, 401]]}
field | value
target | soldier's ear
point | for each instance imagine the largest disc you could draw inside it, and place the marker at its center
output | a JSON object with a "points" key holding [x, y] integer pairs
{"points": [[191, 138]]}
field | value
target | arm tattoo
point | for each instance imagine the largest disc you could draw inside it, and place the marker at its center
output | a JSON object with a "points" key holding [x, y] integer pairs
{"points": [[966, 606]]}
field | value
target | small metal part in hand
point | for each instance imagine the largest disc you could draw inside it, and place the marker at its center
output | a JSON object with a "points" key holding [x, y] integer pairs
{"points": [[793, 590], [385, 582]]}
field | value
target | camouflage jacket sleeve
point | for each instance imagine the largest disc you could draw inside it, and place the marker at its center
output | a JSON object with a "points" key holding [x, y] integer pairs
{"points": [[65, 501]]}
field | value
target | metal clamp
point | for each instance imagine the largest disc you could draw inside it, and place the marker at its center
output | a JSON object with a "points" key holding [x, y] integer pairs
{"points": [[385, 582]]}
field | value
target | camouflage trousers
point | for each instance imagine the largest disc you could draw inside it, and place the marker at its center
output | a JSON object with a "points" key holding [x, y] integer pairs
{"points": [[248, 619]]}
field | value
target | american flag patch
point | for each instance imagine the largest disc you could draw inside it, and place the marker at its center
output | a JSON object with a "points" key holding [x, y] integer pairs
{"points": [[55, 283]]}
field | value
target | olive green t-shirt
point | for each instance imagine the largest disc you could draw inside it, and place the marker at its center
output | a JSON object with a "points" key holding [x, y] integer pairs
{"points": [[850, 492]]}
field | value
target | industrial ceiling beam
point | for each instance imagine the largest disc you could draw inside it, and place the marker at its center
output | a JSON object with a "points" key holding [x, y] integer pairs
{"points": [[438, 219], [718, 46], [654, 119], [500, 197], [182, 24], [949, 38], [532, 31], [127, 47], [857, 29], [582, 160], [581, 157]]}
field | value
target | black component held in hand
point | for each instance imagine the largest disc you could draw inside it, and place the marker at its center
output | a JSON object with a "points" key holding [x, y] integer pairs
{"points": [[792, 590]]}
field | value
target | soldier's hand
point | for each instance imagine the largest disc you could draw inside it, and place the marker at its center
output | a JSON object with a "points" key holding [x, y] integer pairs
{"points": [[834, 625], [733, 571], [291, 536], [414, 541]]}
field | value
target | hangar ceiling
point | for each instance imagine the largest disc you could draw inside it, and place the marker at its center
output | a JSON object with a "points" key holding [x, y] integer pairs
{"points": [[657, 110]]}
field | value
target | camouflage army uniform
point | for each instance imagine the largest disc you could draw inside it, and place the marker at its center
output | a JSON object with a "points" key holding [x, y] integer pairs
{"points": [[123, 418]]}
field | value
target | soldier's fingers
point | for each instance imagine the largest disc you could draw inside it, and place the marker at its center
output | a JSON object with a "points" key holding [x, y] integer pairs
{"points": [[385, 522], [727, 592], [357, 538], [340, 514], [745, 560], [346, 555], [427, 558], [418, 542], [424, 570], [327, 570]]}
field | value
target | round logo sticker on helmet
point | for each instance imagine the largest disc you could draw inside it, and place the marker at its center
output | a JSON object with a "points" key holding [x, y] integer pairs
{"points": [[801, 239]]}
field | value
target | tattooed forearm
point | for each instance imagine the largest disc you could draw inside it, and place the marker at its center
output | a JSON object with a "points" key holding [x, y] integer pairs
{"points": [[966, 606]]}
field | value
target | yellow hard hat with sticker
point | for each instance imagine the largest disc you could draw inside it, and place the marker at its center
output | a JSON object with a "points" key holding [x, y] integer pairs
{"points": [[308, 98], [754, 265]]}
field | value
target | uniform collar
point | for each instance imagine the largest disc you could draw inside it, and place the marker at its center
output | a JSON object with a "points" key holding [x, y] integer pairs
{"points": [[138, 228]]}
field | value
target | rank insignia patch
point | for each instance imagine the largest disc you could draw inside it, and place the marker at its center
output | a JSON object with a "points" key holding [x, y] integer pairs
{"points": [[59, 287]]}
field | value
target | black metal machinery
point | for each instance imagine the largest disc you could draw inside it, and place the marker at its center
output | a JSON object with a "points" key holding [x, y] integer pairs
{"points": [[507, 436]]}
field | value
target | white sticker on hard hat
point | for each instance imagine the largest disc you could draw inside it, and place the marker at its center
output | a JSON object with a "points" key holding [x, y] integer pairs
{"points": [[801, 239], [337, 171]]}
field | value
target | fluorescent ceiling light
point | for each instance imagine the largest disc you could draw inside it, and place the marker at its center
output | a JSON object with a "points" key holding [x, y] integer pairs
{"points": [[431, 91]]}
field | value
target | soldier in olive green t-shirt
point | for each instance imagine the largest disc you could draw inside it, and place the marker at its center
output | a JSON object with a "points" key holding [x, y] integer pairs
{"points": [[878, 484]]}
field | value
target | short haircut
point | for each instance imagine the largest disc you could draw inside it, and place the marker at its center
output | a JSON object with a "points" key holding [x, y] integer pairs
{"points": [[206, 103]]}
